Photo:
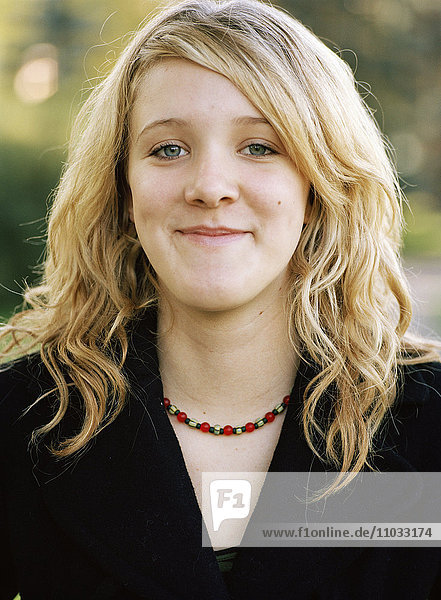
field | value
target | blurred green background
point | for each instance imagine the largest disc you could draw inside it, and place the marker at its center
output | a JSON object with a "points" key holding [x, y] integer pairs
{"points": [[52, 52]]}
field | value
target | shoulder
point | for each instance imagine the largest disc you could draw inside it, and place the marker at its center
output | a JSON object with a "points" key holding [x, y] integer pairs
{"points": [[415, 420], [25, 374], [22, 382], [419, 390], [420, 384]]}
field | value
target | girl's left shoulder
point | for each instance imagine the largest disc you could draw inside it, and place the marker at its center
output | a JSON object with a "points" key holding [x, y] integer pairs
{"points": [[415, 420], [419, 385]]}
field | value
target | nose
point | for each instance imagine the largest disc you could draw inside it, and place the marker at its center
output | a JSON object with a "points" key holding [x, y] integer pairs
{"points": [[211, 182]]}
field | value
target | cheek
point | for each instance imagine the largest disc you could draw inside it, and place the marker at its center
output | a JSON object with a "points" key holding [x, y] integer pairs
{"points": [[281, 201], [150, 197]]}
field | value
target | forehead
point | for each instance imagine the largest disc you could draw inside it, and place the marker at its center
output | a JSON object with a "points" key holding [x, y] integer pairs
{"points": [[180, 88]]}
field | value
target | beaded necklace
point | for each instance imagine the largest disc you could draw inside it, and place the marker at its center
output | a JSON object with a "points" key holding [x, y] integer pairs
{"points": [[226, 429]]}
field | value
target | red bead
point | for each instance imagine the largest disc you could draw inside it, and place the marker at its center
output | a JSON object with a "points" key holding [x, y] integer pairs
{"points": [[286, 400], [182, 416], [166, 402], [270, 417], [228, 430], [205, 427], [249, 427]]}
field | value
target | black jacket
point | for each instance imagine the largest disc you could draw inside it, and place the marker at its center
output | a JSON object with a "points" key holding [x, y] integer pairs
{"points": [[122, 521]]}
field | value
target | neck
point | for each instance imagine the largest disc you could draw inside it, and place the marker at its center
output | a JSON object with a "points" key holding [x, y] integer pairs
{"points": [[217, 364]]}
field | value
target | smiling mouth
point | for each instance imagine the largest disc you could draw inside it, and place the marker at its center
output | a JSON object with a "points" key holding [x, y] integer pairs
{"points": [[210, 231], [212, 236]]}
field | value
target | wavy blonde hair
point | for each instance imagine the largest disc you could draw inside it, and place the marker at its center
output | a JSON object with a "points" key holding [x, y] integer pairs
{"points": [[348, 303]]}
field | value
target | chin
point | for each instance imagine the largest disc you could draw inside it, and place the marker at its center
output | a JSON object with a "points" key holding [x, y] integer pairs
{"points": [[220, 296], [217, 304], [213, 300]]}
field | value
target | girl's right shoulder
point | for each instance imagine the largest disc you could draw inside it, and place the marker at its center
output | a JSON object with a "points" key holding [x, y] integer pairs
{"points": [[22, 383]]}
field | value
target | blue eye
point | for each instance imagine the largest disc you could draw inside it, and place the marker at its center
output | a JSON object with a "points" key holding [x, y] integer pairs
{"points": [[169, 151]]}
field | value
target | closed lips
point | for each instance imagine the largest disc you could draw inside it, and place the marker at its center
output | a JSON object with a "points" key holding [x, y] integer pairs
{"points": [[208, 231]]}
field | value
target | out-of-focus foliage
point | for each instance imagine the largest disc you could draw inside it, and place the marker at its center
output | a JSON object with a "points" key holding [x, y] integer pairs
{"points": [[49, 48], [394, 47], [83, 38]]}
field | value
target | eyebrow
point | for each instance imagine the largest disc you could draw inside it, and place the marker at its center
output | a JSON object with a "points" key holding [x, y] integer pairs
{"points": [[160, 123], [251, 121], [245, 120]]}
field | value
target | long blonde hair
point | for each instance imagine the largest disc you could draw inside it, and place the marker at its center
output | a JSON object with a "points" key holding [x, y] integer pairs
{"points": [[348, 303]]}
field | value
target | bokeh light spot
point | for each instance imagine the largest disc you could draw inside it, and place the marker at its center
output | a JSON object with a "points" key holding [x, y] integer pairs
{"points": [[37, 78]]}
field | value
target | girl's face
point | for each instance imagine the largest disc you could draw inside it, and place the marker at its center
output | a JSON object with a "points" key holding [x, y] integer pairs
{"points": [[217, 203]]}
